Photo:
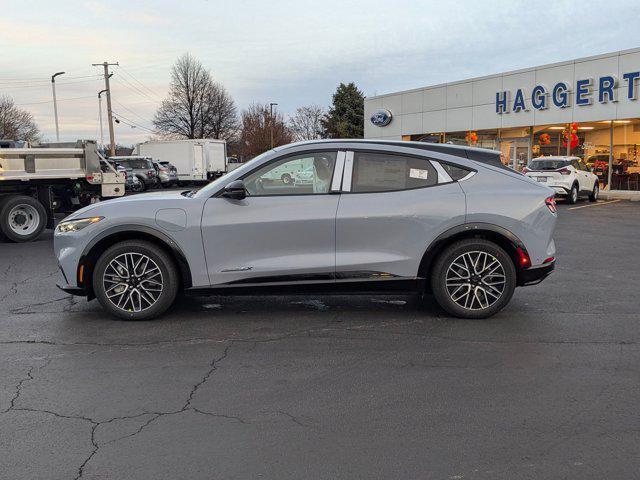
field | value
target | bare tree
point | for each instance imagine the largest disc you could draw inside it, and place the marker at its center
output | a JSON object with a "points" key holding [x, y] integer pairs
{"points": [[255, 136], [15, 123], [306, 123], [221, 116], [197, 107]]}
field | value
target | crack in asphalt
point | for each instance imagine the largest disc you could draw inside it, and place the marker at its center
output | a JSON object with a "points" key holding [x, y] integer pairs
{"points": [[213, 364], [13, 288], [293, 418]]}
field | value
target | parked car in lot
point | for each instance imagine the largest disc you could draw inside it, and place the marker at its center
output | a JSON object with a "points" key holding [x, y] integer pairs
{"points": [[568, 176], [132, 184], [167, 173], [142, 167], [376, 216]]}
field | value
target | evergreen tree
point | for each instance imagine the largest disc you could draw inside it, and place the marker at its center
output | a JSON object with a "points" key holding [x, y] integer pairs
{"points": [[346, 116]]}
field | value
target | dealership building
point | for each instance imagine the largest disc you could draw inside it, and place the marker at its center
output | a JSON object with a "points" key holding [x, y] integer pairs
{"points": [[588, 107]]}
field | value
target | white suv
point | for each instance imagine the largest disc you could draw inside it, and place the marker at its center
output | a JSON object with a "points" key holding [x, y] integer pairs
{"points": [[568, 176]]}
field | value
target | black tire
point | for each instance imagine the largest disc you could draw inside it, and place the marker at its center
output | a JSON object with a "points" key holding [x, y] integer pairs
{"points": [[286, 178], [34, 217], [573, 194], [169, 278], [451, 254], [143, 184], [595, 193]]}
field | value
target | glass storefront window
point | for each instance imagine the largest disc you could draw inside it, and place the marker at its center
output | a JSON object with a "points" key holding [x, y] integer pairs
{"points": [[594, 145], [625, 174]]}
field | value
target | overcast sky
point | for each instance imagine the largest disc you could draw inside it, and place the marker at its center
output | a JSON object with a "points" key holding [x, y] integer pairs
{"points": [[293, 53]]}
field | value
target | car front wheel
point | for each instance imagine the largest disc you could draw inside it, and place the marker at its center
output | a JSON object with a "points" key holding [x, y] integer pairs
{"points": [[135, 280], [473, 278]]}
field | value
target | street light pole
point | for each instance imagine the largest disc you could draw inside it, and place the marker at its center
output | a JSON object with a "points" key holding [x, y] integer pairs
{"points": [[271, 105], [100, 115], [55, 106]]}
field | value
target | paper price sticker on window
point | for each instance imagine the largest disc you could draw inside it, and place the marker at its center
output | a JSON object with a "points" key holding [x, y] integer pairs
{"points": [[418, 173]]}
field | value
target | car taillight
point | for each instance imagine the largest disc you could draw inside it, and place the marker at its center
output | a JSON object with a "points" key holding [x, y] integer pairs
{"points": [[564, 171], [551, 204], [525, 170], [150, 173], [549, 260], [523, 258]]}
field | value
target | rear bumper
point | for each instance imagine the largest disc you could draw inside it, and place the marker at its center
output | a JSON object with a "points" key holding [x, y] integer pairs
{"points": [[535, 275]]}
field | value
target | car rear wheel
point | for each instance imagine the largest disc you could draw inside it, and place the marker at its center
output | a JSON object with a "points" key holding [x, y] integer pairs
{"points": [[573, 194], [22, 218], [473, 278], [135, 280], [593, 196]]}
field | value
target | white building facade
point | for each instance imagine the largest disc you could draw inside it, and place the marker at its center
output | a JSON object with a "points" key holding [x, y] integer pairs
{"points": [[593, 102]]}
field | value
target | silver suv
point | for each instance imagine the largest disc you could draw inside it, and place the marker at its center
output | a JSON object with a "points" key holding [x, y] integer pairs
{"points": [[375, 216]]}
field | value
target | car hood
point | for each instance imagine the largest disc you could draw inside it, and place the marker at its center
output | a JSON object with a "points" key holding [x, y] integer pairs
{"points": [[130, 201]]}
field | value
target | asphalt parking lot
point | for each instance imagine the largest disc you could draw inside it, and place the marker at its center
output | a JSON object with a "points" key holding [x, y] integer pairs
{"points": [[331, 387]]}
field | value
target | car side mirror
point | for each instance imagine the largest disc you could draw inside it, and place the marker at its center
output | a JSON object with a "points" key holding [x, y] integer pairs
{"points": [[235, 190]]}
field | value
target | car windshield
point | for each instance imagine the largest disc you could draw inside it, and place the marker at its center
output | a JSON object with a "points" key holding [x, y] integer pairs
{"points": [[549, 164]]}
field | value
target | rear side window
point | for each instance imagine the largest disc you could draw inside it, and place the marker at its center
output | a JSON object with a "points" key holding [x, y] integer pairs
{"points": [[456, 173], [382, 172]]}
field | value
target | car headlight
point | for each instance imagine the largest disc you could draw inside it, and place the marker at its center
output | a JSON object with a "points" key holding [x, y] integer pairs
{"points": [[77, 224]]}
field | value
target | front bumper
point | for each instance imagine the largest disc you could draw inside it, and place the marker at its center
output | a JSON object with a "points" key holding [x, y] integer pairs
{"points": [[77, 291], [535, 275]]}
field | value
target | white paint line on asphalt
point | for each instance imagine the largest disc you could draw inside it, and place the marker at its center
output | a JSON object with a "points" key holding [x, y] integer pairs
{"points": [[594, 204]]}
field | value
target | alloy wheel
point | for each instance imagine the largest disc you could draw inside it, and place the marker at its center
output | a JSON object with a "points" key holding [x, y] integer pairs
{"points": [[475, 280], [133, 282]]}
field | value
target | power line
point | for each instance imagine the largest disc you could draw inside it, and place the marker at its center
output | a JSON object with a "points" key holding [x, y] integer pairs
{"points": [[131, 123], [40, 80], [126, 72], [51, 101], [131, 86], [46, 85], [133, 112]]}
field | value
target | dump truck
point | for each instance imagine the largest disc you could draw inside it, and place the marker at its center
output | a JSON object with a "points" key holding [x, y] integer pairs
{"points": [[37, 183]]}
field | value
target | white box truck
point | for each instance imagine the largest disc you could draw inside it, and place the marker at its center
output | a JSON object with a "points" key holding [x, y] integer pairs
{"points": [[196, 160]]}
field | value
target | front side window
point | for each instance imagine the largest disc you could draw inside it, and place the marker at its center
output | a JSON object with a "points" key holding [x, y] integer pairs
{"points": [[380, 172], [305, 174]]}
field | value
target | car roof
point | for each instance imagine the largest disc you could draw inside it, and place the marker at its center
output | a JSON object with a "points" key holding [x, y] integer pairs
{"points": [[130, 157], [482, 155]]}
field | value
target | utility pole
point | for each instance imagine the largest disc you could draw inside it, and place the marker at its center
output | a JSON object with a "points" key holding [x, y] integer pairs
{"points": [[271, 105], [112, 138], [100, 115], [55, 105]]}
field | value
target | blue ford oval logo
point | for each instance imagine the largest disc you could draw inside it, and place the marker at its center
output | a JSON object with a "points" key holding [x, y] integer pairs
{"points": [[381, 118]]}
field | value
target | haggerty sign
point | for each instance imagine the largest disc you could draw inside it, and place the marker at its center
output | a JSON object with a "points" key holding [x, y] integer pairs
{"points": [[606, 89]]}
